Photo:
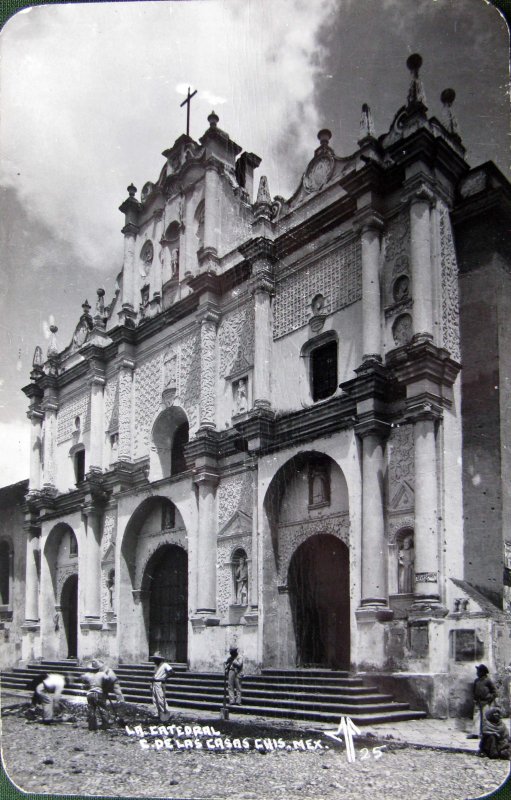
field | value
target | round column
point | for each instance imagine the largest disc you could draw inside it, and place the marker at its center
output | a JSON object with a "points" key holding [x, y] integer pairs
{"points": [[370, 242], [50, 432], [93, 564], [36, 423], [128, 276], [374, 561], [422, 270], [426, 513], [263, 336], [32, 576], [206, 546]]}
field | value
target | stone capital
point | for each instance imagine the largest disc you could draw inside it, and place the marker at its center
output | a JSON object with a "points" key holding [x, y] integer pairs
{"points": [[127, 364], [206, 476], [208, 314], [35, 414], [423, 410], [371, 425], [418, 192], [130, 230], [367, 220], [50, 405], [259, 249]]}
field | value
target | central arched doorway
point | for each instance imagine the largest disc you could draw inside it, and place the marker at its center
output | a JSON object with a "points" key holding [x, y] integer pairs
{"points": [[69, 611], [318, 584], [166, 581]]}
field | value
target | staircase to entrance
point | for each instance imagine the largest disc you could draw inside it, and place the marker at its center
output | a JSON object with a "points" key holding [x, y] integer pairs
{"points": [[316, 695]]}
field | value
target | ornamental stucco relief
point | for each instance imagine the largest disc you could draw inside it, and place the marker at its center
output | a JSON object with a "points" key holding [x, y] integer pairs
{"points": [[148, 389], [111, 401], [234, 493], [225, 587], [293, 535], [68, 411], [236, 341], [337, 276], [396, 246], [450, 296]]}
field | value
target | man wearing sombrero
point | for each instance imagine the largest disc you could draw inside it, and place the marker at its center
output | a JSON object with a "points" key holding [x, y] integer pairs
{"points": [[96, 704], [162, 670]]}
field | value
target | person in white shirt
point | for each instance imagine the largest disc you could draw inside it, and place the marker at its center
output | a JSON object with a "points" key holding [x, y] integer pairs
{"points": [[48, 693], [162, 670]]}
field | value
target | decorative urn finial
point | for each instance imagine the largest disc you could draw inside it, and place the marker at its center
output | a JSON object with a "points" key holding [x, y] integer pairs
{"points": [[213, 120], [132, 190], [366, 123], [324, 136], [416, 95], [53, 349], [447, 99]]}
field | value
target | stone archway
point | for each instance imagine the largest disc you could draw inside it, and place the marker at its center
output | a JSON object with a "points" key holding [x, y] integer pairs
{"points": [[69, 611], [165, 586], [306, 519], [319, 594]]}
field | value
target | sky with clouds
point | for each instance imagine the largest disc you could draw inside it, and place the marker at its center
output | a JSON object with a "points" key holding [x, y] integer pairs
{"points": [[90, 96]]}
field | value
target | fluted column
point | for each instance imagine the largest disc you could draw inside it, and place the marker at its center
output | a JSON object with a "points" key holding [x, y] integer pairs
{"points": [[370, 233], [208, 330], [254, 576], [125, 409], [93, 564], [32, 575], [421, 201], [97, 387], [206, 545], [374, 562], [36, 423], [426, 510]]}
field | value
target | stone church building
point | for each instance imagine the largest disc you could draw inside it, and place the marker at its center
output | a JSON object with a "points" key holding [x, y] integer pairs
{"points": [[286, 429]]}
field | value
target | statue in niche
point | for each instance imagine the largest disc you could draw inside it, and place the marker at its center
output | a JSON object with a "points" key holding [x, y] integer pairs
{"points": [[110, 585], [241, 580], [406, 573], [174, 262], [240, 396], [401, 288], [402, 330], [319, 485]]}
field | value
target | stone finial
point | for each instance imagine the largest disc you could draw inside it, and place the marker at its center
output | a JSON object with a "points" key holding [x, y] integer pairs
{"points": [[37, 361], [213, 120], [263, 192], [324, 136], [366, 123], [416, 95], [132, 190], [100, 303], [53, 349], [447, 98], [86, 308]]}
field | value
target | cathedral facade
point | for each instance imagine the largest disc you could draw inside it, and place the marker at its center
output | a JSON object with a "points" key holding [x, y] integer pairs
{"points": [[269, 436]]}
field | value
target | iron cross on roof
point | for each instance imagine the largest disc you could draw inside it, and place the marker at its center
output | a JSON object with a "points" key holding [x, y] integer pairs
{"points": [[187, 104]]}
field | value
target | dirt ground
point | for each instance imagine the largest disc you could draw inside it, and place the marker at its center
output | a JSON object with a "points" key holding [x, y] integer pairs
{"points": [[223, 759]]}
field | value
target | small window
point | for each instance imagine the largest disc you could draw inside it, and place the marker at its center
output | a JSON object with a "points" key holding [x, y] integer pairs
{"points": [[79, 464], [324, 370], [73, 545]]}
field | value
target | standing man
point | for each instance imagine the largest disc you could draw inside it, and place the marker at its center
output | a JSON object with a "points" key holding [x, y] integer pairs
{"points": [[162, 670], [94, 680], [233, 668], [48, 693], [485, 694]]}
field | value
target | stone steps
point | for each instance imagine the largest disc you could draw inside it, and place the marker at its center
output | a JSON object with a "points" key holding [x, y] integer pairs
{"points": [[314, 695]]}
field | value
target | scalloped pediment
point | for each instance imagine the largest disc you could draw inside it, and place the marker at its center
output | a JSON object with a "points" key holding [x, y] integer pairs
{"points": [[239, 523]]}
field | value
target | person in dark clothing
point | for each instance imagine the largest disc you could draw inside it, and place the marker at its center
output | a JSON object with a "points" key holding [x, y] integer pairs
{"points": [[495, 736], [233, 669], [484, 694]]}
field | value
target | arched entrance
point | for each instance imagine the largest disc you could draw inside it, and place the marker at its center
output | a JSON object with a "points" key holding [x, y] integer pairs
{"points": [[166, 584], [69, 611], [318, 583]]}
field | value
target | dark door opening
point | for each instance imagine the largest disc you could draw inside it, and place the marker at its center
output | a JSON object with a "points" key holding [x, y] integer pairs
{"points": [[318, 582], [69, 609], [167, 572]]}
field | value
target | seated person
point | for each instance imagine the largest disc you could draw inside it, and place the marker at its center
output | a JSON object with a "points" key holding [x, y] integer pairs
{"points": [[495, 736]]}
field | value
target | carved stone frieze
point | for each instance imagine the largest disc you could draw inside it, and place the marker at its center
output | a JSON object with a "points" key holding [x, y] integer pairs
{"points": [[337, 277], [291, 536], [189, 378], [398, 523], [449, 278], [125, 406], [208, 373], [68, 411], [236, 341], [63, 573]]}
